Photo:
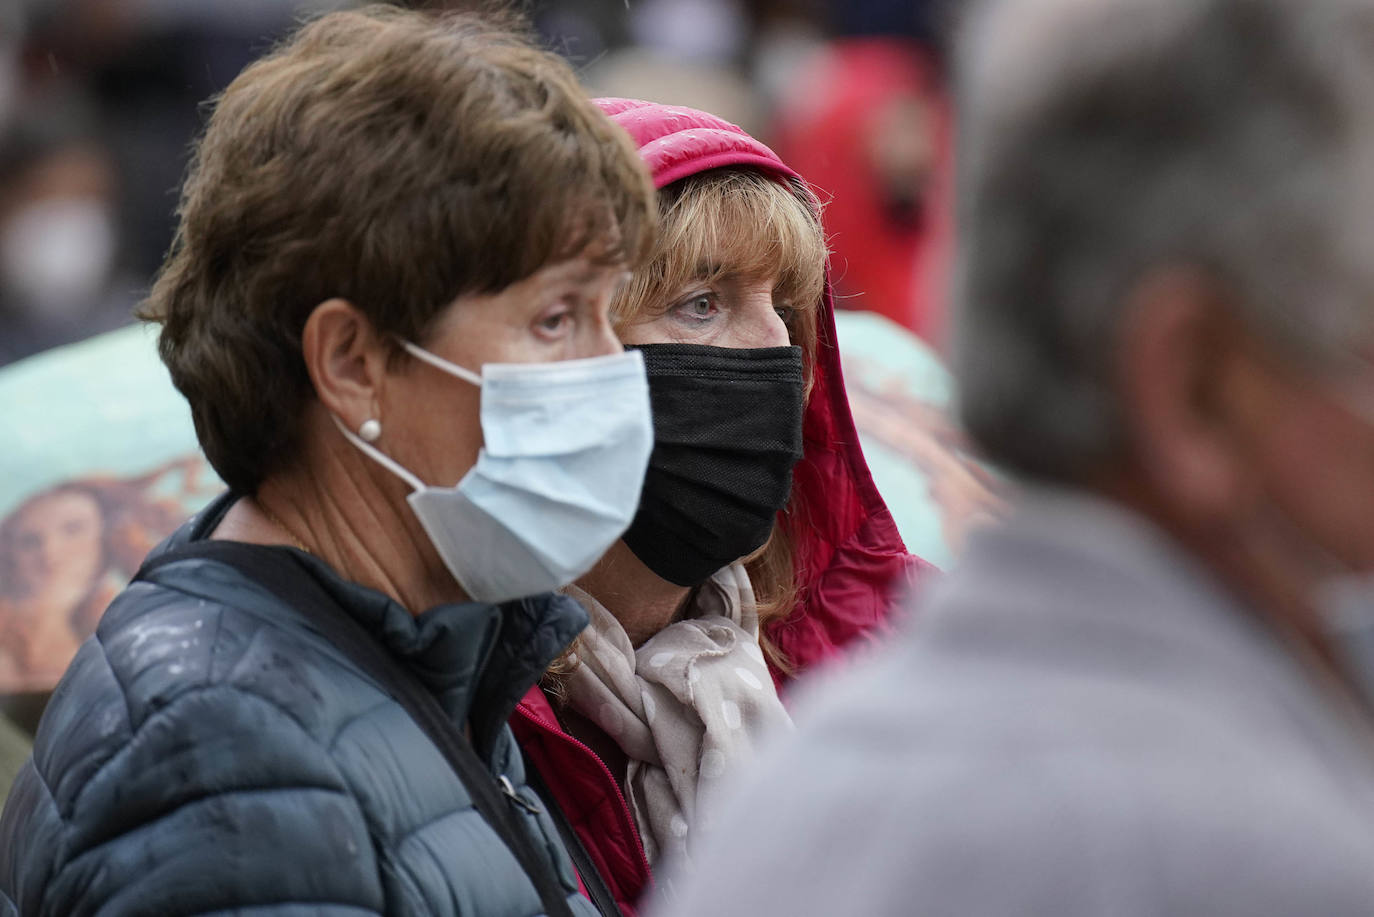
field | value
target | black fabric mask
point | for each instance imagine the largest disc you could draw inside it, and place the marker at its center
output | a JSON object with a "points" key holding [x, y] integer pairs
{"points": [[727, 431]]}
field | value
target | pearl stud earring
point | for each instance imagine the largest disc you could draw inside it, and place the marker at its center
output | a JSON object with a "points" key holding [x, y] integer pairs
{"points": [[370, 430]]}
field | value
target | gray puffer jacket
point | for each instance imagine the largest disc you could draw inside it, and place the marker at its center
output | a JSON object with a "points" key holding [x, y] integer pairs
{"points": [[208, 751]]}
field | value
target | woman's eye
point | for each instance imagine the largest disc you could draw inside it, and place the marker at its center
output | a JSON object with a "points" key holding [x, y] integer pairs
{"points": [[555, 322], [700, 307]]}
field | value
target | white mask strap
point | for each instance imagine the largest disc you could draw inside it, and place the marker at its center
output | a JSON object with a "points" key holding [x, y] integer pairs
{"points": [[378, 456], [453, 369]]}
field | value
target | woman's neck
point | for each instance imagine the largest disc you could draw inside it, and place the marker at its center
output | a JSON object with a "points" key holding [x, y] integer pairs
{"points": [[642, 601], [351, 514]]}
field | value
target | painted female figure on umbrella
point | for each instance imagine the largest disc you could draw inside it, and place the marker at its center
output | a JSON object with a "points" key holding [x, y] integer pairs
{"points": [[64, 554]]}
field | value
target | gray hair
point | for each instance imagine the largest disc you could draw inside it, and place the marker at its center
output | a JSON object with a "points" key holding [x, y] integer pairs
{"points": [[1103, 138]]}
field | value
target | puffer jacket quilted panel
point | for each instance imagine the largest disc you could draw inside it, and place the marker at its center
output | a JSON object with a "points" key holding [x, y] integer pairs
{"points": [[207, 750]]}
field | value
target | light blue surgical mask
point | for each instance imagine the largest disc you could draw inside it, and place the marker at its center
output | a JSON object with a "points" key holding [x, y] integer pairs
{"points": [[556, 482]]}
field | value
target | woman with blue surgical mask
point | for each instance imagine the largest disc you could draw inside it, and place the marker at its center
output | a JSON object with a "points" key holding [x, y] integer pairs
{"points": [[388, 308]]}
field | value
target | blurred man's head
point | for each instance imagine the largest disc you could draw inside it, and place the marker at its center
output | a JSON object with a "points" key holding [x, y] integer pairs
{"points": [[1166, 278]]}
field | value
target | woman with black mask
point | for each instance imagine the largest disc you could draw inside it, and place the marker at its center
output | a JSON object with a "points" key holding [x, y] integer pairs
{"points": [[761, 545]]}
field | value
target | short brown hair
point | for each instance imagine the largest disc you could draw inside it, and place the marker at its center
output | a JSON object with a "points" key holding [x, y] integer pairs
{"points": [[390, 158], [769, 226]]}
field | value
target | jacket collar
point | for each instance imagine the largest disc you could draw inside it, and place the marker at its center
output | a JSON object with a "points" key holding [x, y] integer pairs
{"points": [[477, 658]]}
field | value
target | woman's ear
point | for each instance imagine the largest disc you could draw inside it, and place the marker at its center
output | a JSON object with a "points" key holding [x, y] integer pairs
{"points": [[346, 359], [1187, 395]]}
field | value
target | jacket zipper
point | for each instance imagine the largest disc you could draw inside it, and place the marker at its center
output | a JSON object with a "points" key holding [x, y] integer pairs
{"points": [[620, 797], [516, 799]]}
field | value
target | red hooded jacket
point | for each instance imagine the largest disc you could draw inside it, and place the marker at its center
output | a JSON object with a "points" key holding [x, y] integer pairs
{"points": [[851, 560]]}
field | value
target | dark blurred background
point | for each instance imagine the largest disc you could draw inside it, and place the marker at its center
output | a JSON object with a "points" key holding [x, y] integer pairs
{"points": [[100, 99]]}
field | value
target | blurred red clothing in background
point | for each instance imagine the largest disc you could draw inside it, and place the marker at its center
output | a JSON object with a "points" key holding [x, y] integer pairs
{"points": [[868, 124]]}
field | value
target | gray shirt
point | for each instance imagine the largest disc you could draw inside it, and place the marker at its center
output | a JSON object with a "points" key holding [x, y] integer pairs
{"points": [[1079, 721]]}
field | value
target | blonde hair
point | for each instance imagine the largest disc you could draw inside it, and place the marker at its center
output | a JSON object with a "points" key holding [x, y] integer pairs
{"points": [[741, 221]]}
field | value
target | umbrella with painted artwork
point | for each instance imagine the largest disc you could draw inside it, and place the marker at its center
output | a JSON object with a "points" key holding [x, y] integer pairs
{"points": [[101, 463]]}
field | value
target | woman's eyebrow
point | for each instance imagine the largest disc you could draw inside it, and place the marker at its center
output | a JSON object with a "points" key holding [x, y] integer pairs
{"points": [[710, 270]]}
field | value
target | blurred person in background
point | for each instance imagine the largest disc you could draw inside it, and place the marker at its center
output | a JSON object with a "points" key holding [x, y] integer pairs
{"points": [[388, 307], [866, 120], [683, 52], [59, 230], [761, 546], [146, 65], [1135, 698]]}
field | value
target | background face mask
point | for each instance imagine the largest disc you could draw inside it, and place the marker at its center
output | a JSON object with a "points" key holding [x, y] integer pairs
{"points": [[727, 432], [556, 482], [55, 255]]}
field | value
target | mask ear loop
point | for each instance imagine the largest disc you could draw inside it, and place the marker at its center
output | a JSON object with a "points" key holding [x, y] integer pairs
{"points": [[441, 364], [377, 455]]}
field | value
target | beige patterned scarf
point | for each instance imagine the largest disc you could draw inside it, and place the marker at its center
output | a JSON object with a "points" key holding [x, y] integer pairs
{"points": [[687, 707]]}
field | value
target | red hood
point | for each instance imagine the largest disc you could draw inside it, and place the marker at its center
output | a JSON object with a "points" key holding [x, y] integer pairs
{"points": [[851, 559]]}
